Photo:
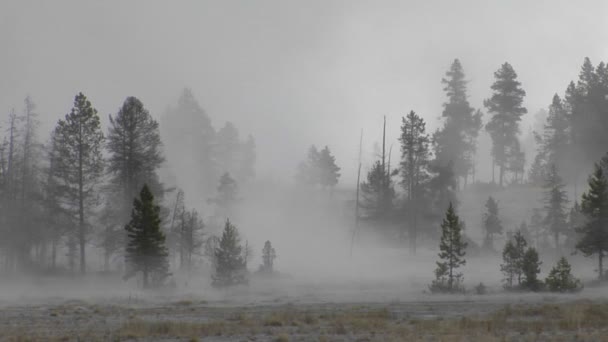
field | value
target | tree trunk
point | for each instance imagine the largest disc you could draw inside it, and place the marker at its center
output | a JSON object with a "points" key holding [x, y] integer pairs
{"points": [[81, 227]]}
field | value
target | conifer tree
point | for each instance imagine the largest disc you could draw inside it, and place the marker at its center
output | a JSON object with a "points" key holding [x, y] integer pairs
{"points": [[328, 170], [414, 167], [555, 205], [576, 219], [530, 269], [190, 141], [268, 256], [452, 251], [556, 138], [146, 251], [134, 157], [226, 198], [78, 143], [509, 264], [560, 278], [594, 233], [513, 259], [231, 266], [308, 170], [135, 150], [456, 141], [190, 227], [377, 192], [506, 108], [491, 223]]}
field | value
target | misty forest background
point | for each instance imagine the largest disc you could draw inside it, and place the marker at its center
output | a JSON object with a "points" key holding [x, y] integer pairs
{"points": [[67, 196]]}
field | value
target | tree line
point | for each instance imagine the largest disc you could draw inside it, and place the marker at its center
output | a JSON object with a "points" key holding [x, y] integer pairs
{"points": [[62, 197]]}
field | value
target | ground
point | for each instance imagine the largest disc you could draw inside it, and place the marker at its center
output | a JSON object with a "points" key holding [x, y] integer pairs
{"points": [[243, 315]]}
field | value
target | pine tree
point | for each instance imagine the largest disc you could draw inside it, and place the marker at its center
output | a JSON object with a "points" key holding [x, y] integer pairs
{"points": [[135, 150], [328, 170], [594, 233], [556, 138], [231, 266], [555, 205], [146, 251], [268, 256], [414, 167], [134, 157], [78, 144], [505, 105], [190, 227], [456, 141], [576, 219], [226, 198], [441, 191], [520, 244], [491, 223], [377, 192], [513, 259], [452, 251], [530, 269], [308, 172], [190, 141], [560, 278], [509, 264]]}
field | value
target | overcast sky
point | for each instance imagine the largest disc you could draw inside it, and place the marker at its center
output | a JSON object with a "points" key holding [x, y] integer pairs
{"points": [[290, 73]]}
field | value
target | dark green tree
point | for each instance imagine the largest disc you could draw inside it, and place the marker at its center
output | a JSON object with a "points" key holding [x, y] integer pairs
{"points": [[556, 218], [135, 150], [377, 192], [594, 233], [146, 251], [452, 251], [560, 278], [506, 108], [531, 268], [456, 140], [509, 264], [78, 142], [513, 259], [414, 168], [556, 139], [491, 223], [134, 157], [328, 170], [231, 266]]}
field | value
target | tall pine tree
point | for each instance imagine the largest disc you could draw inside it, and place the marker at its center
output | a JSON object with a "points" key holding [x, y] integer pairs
{"points": [[414, 168], [456, 141], [594, 233], [231, 264], [78, 143], [146, 251], [506, 108]]}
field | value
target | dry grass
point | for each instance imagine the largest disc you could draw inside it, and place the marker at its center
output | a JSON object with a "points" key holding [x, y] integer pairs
{"points": [[580, 320]]}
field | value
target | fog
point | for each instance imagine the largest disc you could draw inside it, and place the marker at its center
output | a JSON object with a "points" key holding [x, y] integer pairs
{"points": [[294, 74]]}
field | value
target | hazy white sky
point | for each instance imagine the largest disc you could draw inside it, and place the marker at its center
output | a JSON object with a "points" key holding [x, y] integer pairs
{"points": [[291, 73]]}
